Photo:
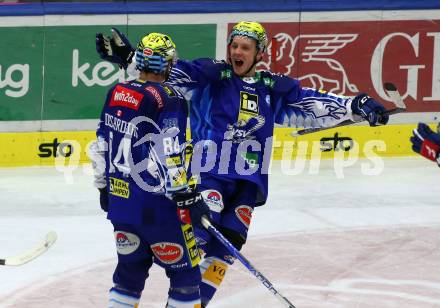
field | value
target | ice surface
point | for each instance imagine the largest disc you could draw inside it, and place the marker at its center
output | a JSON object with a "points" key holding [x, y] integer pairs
{"points": [[323, 241]]}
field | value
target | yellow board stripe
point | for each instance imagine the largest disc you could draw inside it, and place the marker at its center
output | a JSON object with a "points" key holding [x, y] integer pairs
{"points": [[42, 148]]}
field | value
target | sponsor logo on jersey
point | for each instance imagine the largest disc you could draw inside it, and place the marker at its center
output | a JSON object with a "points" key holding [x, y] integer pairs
{"points": [[177, 177], [248, 88], [251, 159], [136, 84], [191, 244], [180, 265], [167, 253], [244, 213], [269, 82], [156, 95], [173, 161], [249, 102], [215, 273], [119, 188], [126, 242], [126, 98], [169, 91], [213, 199], [226, 74]]}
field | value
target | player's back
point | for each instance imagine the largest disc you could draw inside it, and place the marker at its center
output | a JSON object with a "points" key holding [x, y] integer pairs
{"points": [[135, 116]]}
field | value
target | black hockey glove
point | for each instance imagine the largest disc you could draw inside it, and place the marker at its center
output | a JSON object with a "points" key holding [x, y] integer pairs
{"points": [[103, 198], [116, 49], [369, 109], [191, 207], [426, 142]]}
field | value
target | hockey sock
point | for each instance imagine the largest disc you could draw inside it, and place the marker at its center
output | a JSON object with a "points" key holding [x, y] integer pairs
{"points": [[119, 298], [184, 297], [213, 271]]}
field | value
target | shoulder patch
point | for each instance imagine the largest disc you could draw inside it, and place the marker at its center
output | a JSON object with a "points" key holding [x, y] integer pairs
{"points": [[225, 74], [169, 91], [156, 95], [126, 97]]}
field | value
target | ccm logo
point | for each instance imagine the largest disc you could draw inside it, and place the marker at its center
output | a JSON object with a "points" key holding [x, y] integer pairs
{"points": [[190, 201]]}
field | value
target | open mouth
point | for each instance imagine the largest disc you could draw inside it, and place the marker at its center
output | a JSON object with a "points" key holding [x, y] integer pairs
{"points": [[238, 63]]}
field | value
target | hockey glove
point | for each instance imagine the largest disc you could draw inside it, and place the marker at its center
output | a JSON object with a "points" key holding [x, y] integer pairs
{"points": [[191, 207], [116, 49], [369, 109], [426, 142]]}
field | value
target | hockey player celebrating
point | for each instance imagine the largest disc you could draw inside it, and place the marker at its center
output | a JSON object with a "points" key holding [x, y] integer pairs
{"points": [[426, 142], [232, 117], [140, 172]]}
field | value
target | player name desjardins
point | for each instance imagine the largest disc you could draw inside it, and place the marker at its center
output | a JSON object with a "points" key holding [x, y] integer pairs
{"points": [[120, 125]]}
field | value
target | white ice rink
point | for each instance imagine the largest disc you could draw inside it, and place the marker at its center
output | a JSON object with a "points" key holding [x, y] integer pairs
{"points": [[354, 242]]}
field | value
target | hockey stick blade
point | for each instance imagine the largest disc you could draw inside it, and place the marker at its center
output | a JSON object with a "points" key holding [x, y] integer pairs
{"points": [[219, 236], [395, 98], [32, 253]]}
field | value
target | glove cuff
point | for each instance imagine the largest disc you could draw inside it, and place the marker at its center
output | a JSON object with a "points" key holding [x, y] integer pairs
{"points": [[430, 150]]}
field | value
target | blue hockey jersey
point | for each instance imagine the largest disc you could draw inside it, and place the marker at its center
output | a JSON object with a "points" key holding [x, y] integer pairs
{"points": [[232, 118], [143, 125]]}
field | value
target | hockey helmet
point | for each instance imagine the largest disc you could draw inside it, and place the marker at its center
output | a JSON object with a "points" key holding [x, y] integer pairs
{"points": [[251, 29], [154, 53]]}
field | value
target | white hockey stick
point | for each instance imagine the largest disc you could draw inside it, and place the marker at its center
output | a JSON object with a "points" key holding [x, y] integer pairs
{"points": [[33, 253], [252, 269], [392, 92]]}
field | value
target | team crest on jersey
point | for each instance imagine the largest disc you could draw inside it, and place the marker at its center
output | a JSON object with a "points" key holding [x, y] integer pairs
{"points": [[167, 252], [248, 102], [244, 129], [244, 214], [213, 199], [125, 97], [126, 242]]}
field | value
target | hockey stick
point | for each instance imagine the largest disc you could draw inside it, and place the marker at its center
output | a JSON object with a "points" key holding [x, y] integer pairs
{"points": [[392, 92], [33, 253], [217, 234]]}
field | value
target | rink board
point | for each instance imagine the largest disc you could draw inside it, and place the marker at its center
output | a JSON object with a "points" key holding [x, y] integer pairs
{"points": [[48, 148]]}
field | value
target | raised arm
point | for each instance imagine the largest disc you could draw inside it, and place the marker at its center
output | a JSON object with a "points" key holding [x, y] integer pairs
{"points": [[298, 106]]}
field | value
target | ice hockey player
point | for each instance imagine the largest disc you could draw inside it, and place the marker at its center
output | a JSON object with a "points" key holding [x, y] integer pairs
{"points": [[140, 172], [232, 117], [426, 142]]}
